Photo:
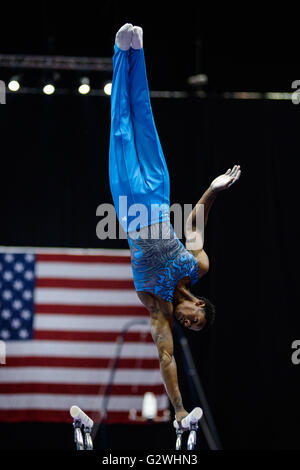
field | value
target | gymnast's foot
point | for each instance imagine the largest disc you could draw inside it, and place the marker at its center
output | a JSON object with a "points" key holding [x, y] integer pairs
{"points": [[124, 37], [137, 37]]}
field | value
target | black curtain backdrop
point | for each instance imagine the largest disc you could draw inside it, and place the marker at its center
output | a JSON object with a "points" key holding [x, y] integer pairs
{"points": [[54, 174]]}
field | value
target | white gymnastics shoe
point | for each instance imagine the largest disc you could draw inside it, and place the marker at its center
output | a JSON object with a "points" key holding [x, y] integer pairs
{"points": [[124, 37], [137, 37]]}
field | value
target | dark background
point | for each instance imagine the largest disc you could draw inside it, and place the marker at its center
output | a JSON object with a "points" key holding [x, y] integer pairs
{"points": [[54, 174]]}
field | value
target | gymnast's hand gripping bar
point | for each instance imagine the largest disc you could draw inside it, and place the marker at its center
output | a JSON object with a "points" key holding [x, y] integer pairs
{"points": [[190, 422], [82, 429]]}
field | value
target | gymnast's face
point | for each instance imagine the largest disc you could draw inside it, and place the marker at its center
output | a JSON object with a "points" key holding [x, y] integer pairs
{"points": [[191, 314]]}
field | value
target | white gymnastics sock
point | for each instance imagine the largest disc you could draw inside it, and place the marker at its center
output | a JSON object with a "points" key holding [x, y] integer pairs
{"points": [[124, 37], [137, 37]]}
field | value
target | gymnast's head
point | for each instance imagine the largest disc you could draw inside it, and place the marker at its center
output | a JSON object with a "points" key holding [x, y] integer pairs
{"points": [[195, 314]]}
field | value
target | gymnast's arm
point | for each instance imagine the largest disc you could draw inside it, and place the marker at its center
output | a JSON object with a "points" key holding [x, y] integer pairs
{"points": [[194, 229], [161, 330]]}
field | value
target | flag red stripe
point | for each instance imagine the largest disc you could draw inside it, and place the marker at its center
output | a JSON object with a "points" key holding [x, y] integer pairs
{"points": [[102, 336], [86, 283], [89, 362], [79, 389], [60, 416], [83, 258], [113, 310]]}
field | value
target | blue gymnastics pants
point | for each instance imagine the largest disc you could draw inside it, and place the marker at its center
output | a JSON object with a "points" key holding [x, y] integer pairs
{"points": [[138, 172]]}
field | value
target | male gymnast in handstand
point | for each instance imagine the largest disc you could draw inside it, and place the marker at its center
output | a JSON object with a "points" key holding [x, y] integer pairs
{"points": [[163, 269]]}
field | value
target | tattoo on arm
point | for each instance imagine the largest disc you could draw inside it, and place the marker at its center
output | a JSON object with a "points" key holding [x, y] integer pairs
{"points": [[162, 335]]}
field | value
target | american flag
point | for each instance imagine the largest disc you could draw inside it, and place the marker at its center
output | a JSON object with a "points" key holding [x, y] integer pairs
{"points": [[61, 314]]}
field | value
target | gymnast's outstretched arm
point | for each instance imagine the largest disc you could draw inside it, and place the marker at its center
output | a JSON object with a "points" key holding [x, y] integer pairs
{"points": [[161, 330], [194, 230]]}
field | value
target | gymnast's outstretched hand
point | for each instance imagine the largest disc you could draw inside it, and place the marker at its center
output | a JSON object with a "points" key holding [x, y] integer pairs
{"points": [[228, 179]]}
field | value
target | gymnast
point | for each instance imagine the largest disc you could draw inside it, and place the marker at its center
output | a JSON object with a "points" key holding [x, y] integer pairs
{"points": [[163, 269]]}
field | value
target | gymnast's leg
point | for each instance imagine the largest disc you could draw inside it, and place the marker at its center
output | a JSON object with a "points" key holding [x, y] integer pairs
{"points": [[124, 170], [148, 147]]}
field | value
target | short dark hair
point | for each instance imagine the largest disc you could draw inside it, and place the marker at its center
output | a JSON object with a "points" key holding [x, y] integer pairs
{"points": [[210, 311]]}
